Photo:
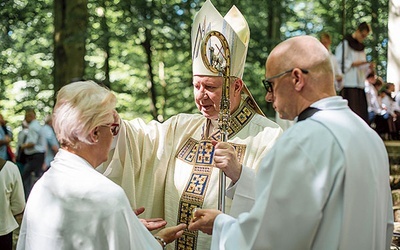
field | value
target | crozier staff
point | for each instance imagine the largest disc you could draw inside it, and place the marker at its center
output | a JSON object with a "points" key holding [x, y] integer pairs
{"points": [[220, 63]]}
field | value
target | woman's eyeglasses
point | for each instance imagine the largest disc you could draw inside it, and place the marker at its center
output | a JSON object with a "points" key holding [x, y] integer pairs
{"points": [[114, 127]]}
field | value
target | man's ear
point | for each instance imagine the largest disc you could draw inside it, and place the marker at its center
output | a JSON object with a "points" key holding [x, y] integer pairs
{"points": [[298, 79], [238, 85]]}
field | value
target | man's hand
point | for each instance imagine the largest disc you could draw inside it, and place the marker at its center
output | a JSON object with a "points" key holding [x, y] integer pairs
{"points": [[225, 159], [150, 224], [203, 220]]}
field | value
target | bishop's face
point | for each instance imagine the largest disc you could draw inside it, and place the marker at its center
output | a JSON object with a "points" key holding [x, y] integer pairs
{"points": [[207, 93]]}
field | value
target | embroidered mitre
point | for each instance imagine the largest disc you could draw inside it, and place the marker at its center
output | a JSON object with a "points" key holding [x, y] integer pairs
{"points": [[235, 30]]}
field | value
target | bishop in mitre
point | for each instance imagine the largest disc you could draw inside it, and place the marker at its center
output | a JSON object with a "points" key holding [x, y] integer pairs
{"points": [[171, 168]]}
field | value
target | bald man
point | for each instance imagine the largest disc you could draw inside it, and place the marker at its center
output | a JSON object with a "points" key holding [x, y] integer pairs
{"points": [[325, 183]]}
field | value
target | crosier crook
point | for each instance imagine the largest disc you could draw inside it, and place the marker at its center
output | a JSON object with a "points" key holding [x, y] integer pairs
{"points": [[220, 63]]}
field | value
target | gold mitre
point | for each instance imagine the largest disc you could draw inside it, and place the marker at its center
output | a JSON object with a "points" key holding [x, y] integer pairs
{"points": [[236, 31]]}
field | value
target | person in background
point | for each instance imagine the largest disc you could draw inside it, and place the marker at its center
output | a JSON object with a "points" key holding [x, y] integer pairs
{"points": [[350, 54], [73, 206], [312, 194], [5, 139], [397, 97], [382, 122], [12, 202], [325, 39], [21, 139], [371, 92], [390, 110], [178, 161], [52, 145], [34, 149]]}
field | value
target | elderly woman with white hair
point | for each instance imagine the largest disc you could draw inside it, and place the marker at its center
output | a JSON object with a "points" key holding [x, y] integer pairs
{"points": [[73, 206]]}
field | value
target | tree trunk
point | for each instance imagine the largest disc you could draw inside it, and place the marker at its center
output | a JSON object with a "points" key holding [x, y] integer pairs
{"points": [[70, 28], [274, 23], [147, 47], [105, 43]]}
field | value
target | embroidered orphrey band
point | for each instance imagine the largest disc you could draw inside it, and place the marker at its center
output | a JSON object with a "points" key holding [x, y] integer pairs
{"points": [[200, 155]]}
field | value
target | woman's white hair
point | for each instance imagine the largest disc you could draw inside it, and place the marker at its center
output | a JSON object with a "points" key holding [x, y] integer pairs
{"points": [[81, 107]]}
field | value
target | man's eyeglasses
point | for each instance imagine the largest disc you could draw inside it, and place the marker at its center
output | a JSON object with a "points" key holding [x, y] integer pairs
{"points": [[268, 84], [114, 127]]}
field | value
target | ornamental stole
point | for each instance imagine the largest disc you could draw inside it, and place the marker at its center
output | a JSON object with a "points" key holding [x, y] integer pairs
{"points": [[200, 155]]}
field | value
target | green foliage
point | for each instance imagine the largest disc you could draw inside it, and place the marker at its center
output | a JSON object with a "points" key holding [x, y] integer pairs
{"points": [[168, 27], [142, 48], [26, 58]]}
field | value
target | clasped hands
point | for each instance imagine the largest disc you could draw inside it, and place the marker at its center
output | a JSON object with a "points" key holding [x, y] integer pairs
{"points": [[202, 219], [168, 234]]}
